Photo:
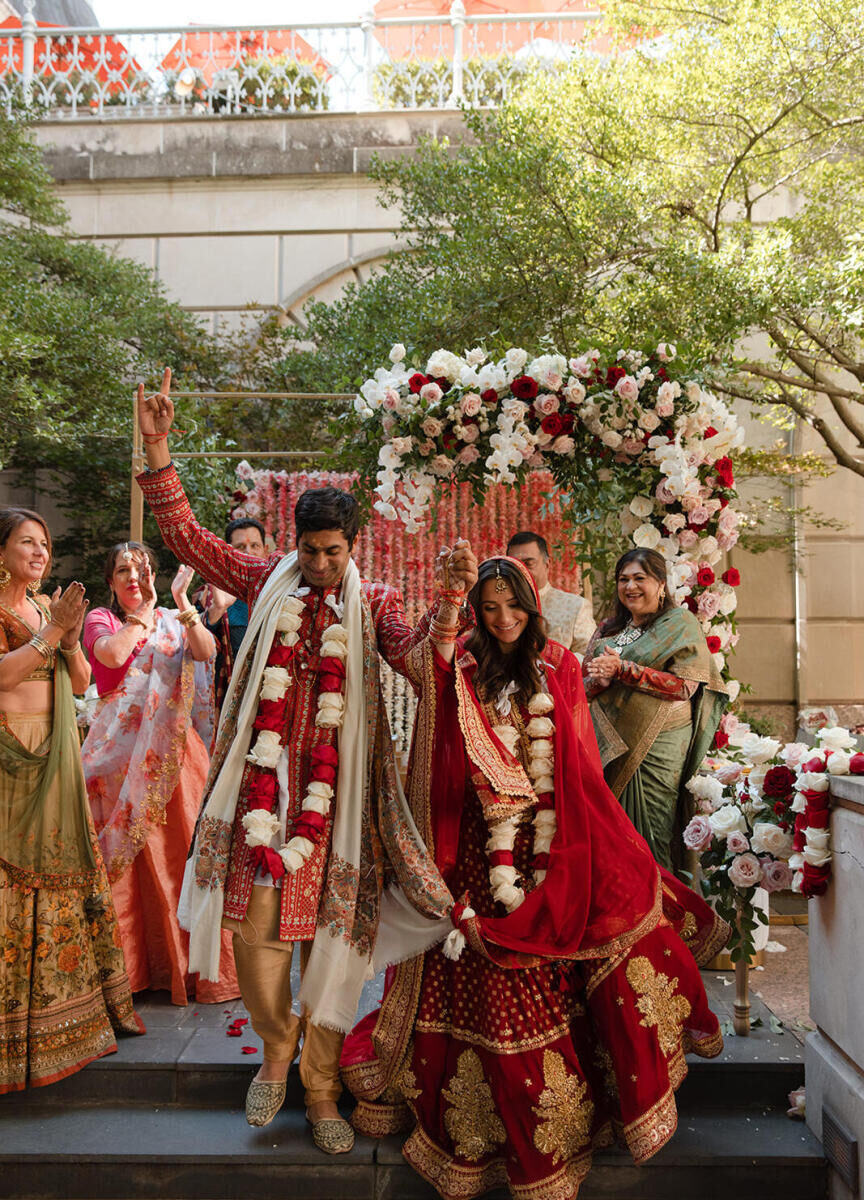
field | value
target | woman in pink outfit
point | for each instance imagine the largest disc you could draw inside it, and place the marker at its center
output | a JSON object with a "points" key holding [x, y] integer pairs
{"points": [[145, 760]]}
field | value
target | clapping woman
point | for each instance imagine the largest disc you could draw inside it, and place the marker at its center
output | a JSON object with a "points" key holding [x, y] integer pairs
{"points": [[63, 987], [145, 760], [656, 699]]}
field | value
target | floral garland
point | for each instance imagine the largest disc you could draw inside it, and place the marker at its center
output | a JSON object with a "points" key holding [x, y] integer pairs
{"points": [[541, 770], [261, 821], [466, 419], [763, 820]]}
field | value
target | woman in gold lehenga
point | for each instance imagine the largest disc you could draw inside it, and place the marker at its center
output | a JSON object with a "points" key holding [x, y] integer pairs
{"points": [[63, 986]]}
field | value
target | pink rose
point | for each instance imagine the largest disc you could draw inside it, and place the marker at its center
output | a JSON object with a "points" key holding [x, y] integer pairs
{"points": [[698, 834], [426, 448], [737, 842], [699, 515], [745, 871], [388, 423], [708, 605], [468, 455], [776, 875], [664, 408], [536, 460], [582, 366], [431, 427], [687, 538], [575, 392], [648, 420], [470, 404], [563, 445], [402, 445], [664, 495], [627, 389], [470, 433], [728, 519], [441, 465], [632, 446], [431, 393], [391, 399], [727, 774], [688, 503], [726, 541], [546, 404]]}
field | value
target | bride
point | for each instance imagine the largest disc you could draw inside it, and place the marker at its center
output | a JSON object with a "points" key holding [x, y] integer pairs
{"points": [[558, 1015]]}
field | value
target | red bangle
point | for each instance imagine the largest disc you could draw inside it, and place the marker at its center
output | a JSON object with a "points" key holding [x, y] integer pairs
{"points": [[149, 441]]}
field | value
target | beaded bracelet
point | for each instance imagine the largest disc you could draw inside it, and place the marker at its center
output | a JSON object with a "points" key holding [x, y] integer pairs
{"points": [[44, 648]]}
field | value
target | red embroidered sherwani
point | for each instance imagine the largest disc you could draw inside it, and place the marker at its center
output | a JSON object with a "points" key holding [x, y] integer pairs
{"points": [[244, 575]]}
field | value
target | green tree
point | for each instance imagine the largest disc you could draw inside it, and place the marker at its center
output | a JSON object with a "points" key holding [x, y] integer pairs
{"points": [[77, 327], [702, 184]]}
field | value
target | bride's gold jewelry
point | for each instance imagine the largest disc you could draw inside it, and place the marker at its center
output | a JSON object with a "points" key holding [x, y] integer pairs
{"points": [[5, 576], [44, 648], [33, 588], [500, 581], [131, 619]]}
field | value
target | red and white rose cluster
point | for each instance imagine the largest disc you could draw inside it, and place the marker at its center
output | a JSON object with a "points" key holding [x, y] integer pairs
{"points": [[764, 811], [661, 443]]}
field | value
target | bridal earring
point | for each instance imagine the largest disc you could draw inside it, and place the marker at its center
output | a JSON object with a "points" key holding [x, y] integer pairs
{"points": [[5, 576]]}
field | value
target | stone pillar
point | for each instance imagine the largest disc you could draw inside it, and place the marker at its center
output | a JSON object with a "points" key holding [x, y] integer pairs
{"points": [[835, 1052]]}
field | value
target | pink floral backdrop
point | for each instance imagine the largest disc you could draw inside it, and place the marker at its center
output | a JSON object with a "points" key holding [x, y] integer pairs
{"points": [[387, 552]]}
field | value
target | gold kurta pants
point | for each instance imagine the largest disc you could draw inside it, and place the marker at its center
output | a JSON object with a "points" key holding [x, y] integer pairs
{"points": [[264, 974]]}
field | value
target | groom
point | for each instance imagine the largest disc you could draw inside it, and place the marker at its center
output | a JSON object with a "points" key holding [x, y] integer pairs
{"points": [[303, 820]]}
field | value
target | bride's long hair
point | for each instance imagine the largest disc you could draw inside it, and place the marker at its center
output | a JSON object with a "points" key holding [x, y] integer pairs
{"points": [[494, 668]]}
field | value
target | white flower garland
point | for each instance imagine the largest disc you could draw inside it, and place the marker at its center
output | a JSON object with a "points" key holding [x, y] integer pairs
{"points": [[541, 770], [260, 824]]}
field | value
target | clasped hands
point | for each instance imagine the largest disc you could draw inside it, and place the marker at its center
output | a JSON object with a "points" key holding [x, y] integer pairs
{"points": [[603, 669], [456, 567]]}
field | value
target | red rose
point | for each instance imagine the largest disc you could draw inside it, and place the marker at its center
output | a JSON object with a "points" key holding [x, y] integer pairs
{"points": [[723, 470], [704, 576], [324, 773], [662, 373], [280, 656], [332, 666], [567, 422], [271, 715], [263, 789], [613, 375], [443, 382], [553, 425], [417, 381], [329, 683], [691, 603], [732, 577], [449, 440], [721, 739], [490, 396], [778, 781], [818, 818], [814, 764], [324, 754], [524, 387], [713, 645], [815, 881], [856, 764], [780, 807], [710, 432]]}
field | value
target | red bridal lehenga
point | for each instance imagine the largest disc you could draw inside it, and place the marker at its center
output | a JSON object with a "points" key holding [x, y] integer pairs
{"points": [[563, 1025]]}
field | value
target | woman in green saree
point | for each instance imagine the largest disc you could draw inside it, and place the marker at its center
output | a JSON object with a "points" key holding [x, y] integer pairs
{"points": [[63, 985], [656, 700]]}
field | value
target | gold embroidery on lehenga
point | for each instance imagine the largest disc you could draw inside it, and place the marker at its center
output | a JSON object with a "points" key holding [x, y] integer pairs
{"points": [[472, 1123], [658, 1003], [690, 926], [564, 1111]]}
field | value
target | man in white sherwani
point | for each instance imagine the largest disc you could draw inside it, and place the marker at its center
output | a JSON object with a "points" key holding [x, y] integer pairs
{"points": [[568, 616]]}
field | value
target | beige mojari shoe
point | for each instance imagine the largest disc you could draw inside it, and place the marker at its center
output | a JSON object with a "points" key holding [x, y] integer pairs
{"points": [[333, 1135], [263, 1101]]}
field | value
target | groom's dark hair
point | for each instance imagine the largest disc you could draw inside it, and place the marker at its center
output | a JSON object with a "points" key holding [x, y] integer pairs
{"points": [[327, 508]]}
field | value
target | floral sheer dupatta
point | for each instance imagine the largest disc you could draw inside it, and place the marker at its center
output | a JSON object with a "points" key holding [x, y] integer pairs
{"points": [[134, 751]]}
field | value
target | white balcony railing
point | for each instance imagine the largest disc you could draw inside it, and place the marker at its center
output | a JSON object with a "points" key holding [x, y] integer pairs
{"points": [[390, 63]]}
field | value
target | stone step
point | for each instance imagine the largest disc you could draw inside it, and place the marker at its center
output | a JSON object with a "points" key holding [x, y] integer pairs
{"points": [[192, 1067], [145, 1153]]}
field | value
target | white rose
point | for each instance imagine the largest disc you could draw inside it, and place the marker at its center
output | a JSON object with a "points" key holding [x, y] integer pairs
{"points": [[397, 352], [758, 749], [733, 688], [812, 781], [647, 536], [727, 818], [745, 871], [475, 357], [611, 439], [838, 763], [648, 420], [539, 727], [706, 787], [275, 682], [260, 826], [770, 839], [267, 750], [756, 778], [795, 753], [540, 704], [515, 359], [836, 738]]}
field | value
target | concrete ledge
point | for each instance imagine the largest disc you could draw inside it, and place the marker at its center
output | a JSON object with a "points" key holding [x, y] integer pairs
{"points": [[231, 147]]}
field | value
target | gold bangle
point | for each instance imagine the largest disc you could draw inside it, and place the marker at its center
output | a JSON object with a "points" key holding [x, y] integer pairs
{"points": [[189, 617], [44, 648], [76, 649], [131, 619]]}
